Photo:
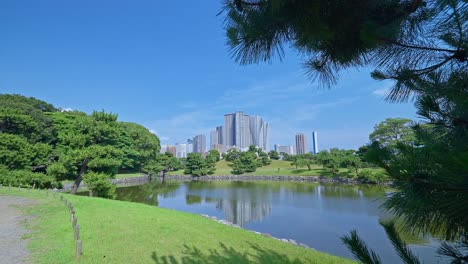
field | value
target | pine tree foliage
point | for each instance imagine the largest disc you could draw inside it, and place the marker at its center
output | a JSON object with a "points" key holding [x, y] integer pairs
{"points": [[401, 39]]}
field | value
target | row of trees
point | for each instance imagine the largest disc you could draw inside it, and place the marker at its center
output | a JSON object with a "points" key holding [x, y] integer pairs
{"points": [[41, 145], [247, 161]]}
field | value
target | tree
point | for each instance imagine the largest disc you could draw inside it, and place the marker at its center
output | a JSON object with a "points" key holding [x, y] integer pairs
{"points": [[211, 159], [393, 131], [195, 165], [402, 39], [422, 46], [163, 163], [273, 155], [246, 162], [86, 144], [232, 154], [214, 154], [138, 144]]}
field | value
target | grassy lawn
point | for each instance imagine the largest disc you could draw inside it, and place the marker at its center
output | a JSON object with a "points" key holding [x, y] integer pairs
{"points": [[125, 232], [128, 175], [276, 168]]}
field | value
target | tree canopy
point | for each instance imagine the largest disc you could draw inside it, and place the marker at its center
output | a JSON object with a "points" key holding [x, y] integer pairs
{"points": [[69, 145]]}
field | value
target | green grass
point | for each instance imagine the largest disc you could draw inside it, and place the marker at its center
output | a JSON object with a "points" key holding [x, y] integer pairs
{"points": [[276, 168], [125, 232], [128, 175]]}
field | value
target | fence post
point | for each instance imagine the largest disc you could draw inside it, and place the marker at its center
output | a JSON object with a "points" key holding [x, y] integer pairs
{"points": [[9, 186], [77, 232], [19, 187], [79, 248]]}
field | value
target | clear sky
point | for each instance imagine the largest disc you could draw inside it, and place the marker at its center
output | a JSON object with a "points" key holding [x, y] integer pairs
{"points": [[164, 64]]}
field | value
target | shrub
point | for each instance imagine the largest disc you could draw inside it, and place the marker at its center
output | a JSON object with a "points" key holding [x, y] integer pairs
{"points": [[373, 175], [25, 178], [100, 185]]}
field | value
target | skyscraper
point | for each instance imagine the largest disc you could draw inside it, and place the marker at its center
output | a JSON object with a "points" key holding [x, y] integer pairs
{"points": [[242, 130], [216, 137], [199, 144], [301, 144], [314, 142]]}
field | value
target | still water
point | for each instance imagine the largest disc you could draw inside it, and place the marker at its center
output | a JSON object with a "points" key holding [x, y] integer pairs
{"points": [[310, 213]]}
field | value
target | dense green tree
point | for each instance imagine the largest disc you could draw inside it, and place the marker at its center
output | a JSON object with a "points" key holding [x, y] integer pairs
{"points": [[392, 131], [274, 155], [214, 154], [231, 154], [211, 158], [139, 145], [99, 185], [195, 165], [163, 163], [86, 143]]}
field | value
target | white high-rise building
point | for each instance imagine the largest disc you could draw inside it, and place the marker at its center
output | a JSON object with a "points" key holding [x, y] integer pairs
{"points": [[315, 143], [181, 150], [285, 149], [242, 130]]}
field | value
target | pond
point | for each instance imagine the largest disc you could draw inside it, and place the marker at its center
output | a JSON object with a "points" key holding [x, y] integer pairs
{"points": [[310, 213]]}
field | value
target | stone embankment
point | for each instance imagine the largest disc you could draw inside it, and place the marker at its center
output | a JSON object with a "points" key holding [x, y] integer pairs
{"points": [[224, 222], [268, 178], [119, 182]]}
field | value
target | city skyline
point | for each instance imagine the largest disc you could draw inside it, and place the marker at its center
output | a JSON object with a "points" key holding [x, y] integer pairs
{"points": [[149, 87]]}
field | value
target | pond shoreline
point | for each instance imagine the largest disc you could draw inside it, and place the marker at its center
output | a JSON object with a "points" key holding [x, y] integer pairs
{"points": [[131, 181]]}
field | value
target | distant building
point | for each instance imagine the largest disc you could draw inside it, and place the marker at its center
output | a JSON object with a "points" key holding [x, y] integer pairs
{"points": [[241, 130], [301, 144], [163, 149], [172, 149], [314, 142], [189, 148], [181, 150], [285, 149], [199, 144], [216, 137]]}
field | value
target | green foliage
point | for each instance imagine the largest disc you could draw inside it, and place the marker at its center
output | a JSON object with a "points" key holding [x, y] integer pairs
{"points": [[214, 154], [35, 136], [195, 165], [163, 163], [99, 185], [26, 117], [273, 154], [247, 162], [25, 178], [138, 144], [372, 175], [392, 131], [402, 39], [231, 154]]}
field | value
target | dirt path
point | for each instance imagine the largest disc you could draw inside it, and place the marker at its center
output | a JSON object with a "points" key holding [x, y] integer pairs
{"points": [[13, 248]]}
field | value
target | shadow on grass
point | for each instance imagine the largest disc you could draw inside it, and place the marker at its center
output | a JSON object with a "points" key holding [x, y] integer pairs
{"points": [[193, 255]]}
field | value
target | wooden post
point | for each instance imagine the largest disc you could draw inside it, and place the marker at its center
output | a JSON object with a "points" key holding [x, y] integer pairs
{"points": [[79, 248], [19, 188], [34, 186], [75, 221], [77, 232], [9, 186]]}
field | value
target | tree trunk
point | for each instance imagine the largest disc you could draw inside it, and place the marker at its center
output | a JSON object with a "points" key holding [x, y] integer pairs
{"points": [[78, 179]]}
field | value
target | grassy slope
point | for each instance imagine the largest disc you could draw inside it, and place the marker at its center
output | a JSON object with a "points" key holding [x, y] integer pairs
{"points": [[124, 232], [277, 167]]}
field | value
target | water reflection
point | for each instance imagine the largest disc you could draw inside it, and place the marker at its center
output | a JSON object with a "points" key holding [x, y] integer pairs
{"points": [[313, 214]]}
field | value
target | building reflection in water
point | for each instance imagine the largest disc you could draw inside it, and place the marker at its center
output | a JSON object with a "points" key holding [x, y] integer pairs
{"points": [[241, 212]]}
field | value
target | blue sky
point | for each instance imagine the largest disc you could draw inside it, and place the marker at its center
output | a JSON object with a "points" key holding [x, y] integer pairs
{"points": [[164, 64]]}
